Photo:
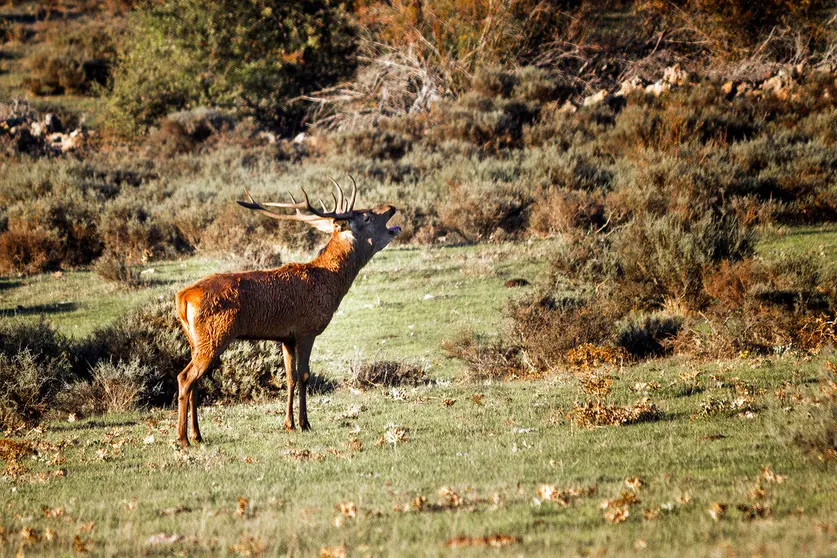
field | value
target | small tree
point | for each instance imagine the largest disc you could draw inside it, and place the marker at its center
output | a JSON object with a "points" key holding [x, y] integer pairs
{"points": [[252, 57]]}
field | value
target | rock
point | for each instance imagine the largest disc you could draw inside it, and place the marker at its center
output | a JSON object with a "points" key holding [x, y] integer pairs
{"points": [[629, 86], [568, 108], [267, 136], [728, 88], [779, 85], [658, 88], [36, 129], [301, 138], [52, 123], [149, 271], [824, 68], [675, 75], [595, 99], [742, 88]]}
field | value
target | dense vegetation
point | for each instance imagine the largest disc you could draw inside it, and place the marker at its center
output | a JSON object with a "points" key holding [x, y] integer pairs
{"points": [[601, 201]]}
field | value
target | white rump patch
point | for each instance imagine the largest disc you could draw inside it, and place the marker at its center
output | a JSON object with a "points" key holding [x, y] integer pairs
{"points": [[191, 313]]}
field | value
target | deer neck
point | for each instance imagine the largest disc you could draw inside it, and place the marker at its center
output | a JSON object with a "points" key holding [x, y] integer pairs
{"points": [[343, 256]]}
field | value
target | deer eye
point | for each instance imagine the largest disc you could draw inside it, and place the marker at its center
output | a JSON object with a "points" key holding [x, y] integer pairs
{"points": [[366, 218]]}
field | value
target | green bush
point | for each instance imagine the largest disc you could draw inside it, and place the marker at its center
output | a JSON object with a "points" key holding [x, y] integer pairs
{"points": [[73, 58], [113, 387], [152, 338], [35, 363], [252, 57], [668, 256]]}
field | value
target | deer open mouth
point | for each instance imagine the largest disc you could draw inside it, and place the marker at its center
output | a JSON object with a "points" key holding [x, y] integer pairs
{"points": [[394, 230]]}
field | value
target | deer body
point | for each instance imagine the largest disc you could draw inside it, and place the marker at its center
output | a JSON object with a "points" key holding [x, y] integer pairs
{"points": [[291, 304]]}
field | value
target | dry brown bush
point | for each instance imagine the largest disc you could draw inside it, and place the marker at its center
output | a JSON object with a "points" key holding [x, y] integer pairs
{"points": [[547, 328], [114, 268], [27, 249], [475, 214], [486, 360], [588, 356], [556, 211], [385, 373]]}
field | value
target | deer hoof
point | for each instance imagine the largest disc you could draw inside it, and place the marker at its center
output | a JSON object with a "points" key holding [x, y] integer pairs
{"points": [[289, 425], [184, 443], [198, 439], [304, 425]]}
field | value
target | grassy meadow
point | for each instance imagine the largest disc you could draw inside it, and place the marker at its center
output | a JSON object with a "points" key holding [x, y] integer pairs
{"points": [[607, 327], [412, 470]]}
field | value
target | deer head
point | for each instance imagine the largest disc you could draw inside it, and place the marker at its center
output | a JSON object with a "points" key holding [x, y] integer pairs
{"points": [[367, 228]]}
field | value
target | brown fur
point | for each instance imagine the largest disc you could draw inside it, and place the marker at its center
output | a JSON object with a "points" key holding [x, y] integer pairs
{"points": [[291, 304]]}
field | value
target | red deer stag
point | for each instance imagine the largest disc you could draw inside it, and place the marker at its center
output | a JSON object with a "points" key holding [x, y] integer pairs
{"points": [[291, 304]]}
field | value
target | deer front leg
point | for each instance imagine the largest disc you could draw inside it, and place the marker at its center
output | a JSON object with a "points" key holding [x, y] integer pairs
{"points": [[303, 355], [290, 377]]}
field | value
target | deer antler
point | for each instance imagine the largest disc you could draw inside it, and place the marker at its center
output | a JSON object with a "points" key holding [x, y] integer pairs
{"points": [[341, 210]]}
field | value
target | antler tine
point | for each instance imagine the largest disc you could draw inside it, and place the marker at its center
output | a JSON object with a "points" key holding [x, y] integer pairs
{"points": [[304, 210], [340, 197], [354, 194]]}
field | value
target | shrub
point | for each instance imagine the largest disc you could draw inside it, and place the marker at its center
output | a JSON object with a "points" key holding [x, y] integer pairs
{"points": [[112, 267], [648, 335], [475, 213], [486, 360], [667, 256], [121, 386], [733, 27], [184, 131], [35, 362], [561, 210], [253, 58], [47, 233], [385, 373], [73, 59], [548, 327], [457, 39], [131, 229], [149, 338], [27, 249]]}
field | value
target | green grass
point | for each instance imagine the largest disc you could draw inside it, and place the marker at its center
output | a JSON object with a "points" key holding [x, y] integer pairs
{"points": [[494, 445], [498, 450], [819, 240]]}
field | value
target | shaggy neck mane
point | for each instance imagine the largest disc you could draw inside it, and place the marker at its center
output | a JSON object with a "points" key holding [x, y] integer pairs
{"points": [[343, 255]]}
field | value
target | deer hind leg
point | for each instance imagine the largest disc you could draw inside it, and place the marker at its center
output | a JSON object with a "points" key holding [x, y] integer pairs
{"points": [[290, 377], [303, 355], [185, 390]]}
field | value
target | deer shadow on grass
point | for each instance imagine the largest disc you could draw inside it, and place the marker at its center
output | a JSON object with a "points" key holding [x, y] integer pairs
{"points": [[89, 425], [9, 283], [54, 308]]}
